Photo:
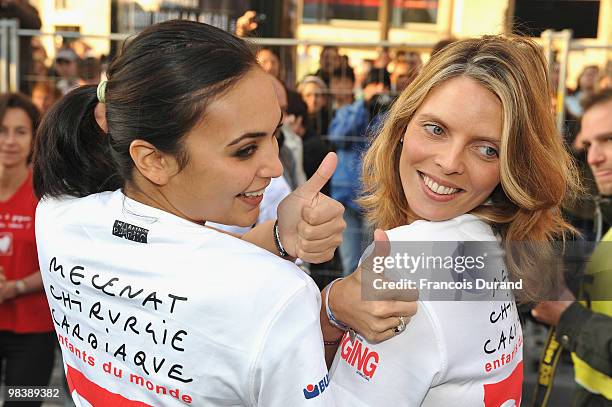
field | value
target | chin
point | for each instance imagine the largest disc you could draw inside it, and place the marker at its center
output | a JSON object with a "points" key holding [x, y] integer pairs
{"points": [[433, 215], [248, 219]]}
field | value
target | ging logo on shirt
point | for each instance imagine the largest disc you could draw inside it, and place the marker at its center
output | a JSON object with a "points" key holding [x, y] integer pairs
{"points": [[359, 356], [313, 390]]}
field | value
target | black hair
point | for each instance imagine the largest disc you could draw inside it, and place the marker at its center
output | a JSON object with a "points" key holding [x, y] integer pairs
{"points": [[158, 89], [344, 72], [378, 75], [23, 102], [296, 106]]}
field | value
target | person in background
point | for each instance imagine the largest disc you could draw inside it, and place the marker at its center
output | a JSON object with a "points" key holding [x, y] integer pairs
{"points": [[586, 86], [314, 92], [67, 70], [28, 18], [27, 339], [341, 85], [269, 61], [585, 329], [606, 77], [90, 69], [40, 70], [347, 132], [291, 149], [45, 94], [404, 71], [329, 60], [383, 59]]}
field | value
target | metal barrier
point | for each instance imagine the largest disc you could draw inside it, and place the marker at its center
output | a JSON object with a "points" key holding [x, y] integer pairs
{"points": [[9, 55]]}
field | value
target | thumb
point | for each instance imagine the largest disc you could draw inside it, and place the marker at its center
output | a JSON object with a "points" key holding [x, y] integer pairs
{"points": [[311, 188], [382, 246]]}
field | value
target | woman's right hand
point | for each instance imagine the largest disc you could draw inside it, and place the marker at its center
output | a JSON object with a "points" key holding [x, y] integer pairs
{"points": [[374, 320]]}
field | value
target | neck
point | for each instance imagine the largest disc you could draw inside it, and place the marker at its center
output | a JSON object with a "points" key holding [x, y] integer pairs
{"points": [[152, 196], [12, 177]]}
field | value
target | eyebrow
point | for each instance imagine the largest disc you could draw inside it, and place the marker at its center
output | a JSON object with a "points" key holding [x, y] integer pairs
{"points": [[432, 117], [255, 134], [597, 137]]}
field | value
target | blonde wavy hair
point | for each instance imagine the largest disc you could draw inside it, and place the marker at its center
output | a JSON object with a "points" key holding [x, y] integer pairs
{"points": [[537, 173]]}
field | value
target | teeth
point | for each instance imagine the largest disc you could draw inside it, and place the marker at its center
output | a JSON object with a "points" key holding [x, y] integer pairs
{"points": [[438, 189], [255, 193]]}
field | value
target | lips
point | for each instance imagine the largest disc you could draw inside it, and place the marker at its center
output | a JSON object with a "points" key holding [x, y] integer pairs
{"points": [[602, 174]]}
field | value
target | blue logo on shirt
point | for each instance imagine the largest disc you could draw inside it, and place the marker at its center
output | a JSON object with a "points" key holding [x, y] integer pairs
{"points": [[312, 391]]}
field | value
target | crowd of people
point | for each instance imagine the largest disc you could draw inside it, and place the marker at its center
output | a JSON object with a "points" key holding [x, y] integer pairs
{"points": [[320, 165]]}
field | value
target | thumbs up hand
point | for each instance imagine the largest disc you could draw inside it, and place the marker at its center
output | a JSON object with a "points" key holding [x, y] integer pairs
{"points": [[310, 224], [376, 320]]}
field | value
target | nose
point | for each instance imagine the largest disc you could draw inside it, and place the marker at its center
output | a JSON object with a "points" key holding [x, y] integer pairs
{"points": [[450, 159], [270, 165], [594, 155], [10, 138]]}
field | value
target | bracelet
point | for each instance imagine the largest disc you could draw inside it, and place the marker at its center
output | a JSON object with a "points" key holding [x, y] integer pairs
{"points": [[277, 242], [330, 315]]}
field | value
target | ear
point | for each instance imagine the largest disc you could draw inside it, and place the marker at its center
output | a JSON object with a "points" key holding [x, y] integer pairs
{"points": [[100, 115], [154, 165]]}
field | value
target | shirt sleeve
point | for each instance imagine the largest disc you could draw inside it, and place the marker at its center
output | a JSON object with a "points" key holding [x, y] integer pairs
{"points": [[290, 369], [589, 335]]}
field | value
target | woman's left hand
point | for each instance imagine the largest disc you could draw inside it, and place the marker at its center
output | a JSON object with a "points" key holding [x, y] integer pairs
{"points": [[310, 223]]}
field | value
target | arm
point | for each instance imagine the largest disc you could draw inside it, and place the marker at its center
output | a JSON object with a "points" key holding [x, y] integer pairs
{"points": [[290, 366], [589, 335], [31, 284]]}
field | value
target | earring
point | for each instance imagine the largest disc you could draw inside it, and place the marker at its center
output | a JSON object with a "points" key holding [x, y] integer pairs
{"points": [[402, 140]]}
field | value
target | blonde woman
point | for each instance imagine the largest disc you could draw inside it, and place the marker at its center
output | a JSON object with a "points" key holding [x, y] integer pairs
{"points": [[469, 152]]}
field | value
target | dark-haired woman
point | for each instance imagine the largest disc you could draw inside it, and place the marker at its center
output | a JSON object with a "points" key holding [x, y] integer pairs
{"points": [[27, 343], [151, 306]]}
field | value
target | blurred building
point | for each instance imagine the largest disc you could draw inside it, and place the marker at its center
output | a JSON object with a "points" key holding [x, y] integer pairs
{"points": [[428, 21], [416, 23]]}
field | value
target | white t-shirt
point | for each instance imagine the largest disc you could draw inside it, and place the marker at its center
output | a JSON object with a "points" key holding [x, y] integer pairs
{"points": [[452, 353], [154, 309]]}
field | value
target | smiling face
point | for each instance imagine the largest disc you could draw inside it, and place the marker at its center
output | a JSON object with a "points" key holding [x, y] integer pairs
{"points": [[449, 161], [233, 154], [314, 97], [15, 138]]}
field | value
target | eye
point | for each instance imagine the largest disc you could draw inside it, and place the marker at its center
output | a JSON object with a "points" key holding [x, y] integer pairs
{"points": [[247, 151], [488, 151], [434, 129]]}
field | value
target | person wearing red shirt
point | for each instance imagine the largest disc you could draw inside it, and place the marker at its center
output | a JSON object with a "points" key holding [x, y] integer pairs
{"points": [[27, 340]]}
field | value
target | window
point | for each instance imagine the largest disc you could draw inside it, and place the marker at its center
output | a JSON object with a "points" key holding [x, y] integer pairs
{"points": [[414, 11], [61, 4], [320, 11], [402, 12], [531, 17]]}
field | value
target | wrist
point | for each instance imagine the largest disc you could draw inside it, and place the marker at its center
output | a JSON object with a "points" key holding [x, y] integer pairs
{"points": [[20, 287], [329, 306], [331, 334]]}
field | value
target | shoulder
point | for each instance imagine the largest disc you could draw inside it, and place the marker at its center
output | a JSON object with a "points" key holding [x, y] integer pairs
{"points": [[462, 228]]}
